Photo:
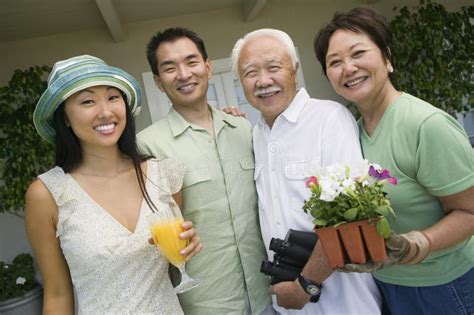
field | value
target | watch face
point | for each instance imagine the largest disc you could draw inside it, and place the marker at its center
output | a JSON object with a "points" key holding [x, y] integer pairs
{"points": [[312, 289]]}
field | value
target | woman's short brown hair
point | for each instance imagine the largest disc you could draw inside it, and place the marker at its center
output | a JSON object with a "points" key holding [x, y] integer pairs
{"points": [[359, 20]]}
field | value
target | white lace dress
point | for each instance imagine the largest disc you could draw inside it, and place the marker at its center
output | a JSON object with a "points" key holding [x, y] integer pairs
{"points": [[113, 270]]}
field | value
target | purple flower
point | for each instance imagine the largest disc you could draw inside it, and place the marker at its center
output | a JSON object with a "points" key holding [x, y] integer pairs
{"points": [[380, 174]]}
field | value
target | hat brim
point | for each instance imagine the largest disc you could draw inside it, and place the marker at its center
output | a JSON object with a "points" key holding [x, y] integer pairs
{"points": [[73, 82]]}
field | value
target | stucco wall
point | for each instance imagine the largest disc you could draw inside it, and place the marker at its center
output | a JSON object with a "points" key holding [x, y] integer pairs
{"points": [[12, 237]]}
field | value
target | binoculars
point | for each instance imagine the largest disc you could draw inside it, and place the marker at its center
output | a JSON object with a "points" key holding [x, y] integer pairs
{"points": [[291, 255]]}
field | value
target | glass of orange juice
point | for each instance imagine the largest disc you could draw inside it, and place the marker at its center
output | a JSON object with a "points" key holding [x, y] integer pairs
{"points": [[165, 227]]}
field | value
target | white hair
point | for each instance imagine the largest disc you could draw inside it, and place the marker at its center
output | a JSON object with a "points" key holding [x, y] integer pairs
{"points": [[281, 36]]}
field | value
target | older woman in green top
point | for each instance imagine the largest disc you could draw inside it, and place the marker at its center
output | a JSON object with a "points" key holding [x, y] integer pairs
{"points": [[427, 151]]}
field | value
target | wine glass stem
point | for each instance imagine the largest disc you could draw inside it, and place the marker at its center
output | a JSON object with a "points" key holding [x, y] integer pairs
{"points": [[184, 275]]}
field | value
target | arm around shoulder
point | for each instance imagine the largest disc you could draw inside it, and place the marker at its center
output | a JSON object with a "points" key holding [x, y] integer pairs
{"points": [[41, 214]]}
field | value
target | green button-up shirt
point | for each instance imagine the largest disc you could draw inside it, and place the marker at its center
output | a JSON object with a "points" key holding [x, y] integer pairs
{"points": [[220, 199]]}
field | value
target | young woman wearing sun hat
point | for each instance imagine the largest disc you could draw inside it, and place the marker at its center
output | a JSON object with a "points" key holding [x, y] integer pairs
{"points": [[85, 218]]}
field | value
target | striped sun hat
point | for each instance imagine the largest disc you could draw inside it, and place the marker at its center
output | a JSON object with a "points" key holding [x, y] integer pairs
{"points": [[73, 75]]}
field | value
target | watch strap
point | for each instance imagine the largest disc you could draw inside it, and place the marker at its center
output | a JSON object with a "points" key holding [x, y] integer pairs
{"points": [[315, 298], [307, 285]]}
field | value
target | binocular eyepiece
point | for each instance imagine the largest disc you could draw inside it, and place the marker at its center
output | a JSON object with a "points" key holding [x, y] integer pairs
{"points": [[278, 273], [291, 255]]}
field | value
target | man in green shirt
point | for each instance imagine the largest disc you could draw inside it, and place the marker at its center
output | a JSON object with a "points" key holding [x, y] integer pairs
{"points": [[218, 191]]}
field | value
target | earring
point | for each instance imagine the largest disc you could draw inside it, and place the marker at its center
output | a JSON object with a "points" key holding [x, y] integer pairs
{"points": [[390, 68], [67, 124]]}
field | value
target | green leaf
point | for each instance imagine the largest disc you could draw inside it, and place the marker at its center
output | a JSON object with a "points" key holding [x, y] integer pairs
{"points": [[383, 228], [339, 223], [351, 214], [320, 222], [383, 211]]}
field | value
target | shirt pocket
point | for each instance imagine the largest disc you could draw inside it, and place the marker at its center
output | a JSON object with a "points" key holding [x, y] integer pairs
{"points": [[193, 177], [245, 180], [297, 171], [247, 163], [195, 190], [300, 169]]}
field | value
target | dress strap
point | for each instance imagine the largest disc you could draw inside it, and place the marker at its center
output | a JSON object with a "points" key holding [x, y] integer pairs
{"points": [[63, 193]]}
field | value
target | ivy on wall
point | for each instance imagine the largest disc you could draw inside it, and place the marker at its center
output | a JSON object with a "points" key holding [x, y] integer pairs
{"points": [[433, 54], [23, 154]]}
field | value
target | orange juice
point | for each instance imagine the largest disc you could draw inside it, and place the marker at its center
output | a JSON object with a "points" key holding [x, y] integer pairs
{"points": [[165, 233]]}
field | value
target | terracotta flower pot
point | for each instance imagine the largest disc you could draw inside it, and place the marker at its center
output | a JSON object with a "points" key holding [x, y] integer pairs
{"points": [[332, 246], [374, 242], [352, 241]]}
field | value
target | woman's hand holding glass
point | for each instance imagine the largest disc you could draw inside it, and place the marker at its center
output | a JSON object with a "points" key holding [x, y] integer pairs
{"points": [[194, 242], [191, 236], [177, 240]]}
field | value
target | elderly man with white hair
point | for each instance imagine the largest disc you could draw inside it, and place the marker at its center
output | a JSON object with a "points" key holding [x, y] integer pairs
{"points": [[296, 135]]}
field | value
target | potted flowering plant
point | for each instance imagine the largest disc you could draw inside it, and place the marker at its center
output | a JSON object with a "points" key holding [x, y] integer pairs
{"points": [[350, 208], [19, 291]]}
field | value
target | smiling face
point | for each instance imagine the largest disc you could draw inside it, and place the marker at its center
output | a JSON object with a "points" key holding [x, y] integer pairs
{"points": [[184, 74], [96, 115], [267, 76], [356, 68]]}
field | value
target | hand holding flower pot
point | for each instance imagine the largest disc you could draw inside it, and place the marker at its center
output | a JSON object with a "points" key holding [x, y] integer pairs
{"points": [[408, 248], [350, 209]]}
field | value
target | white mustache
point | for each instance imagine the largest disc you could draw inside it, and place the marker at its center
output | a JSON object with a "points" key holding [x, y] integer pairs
{"points": [[266, 90]]}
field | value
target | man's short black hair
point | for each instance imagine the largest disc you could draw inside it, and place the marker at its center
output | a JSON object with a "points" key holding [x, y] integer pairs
{"points": [[170, 35]]}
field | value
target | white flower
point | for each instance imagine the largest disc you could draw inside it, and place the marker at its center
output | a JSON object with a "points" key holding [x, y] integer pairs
{"points": [[328, 195], [330, 188], [347, 184], [360, 170], [20, 280], [5, 267], [337, 172]]}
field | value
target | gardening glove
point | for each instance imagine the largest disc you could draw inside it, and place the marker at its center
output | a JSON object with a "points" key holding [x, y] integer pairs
{"points": [[408, 248]]}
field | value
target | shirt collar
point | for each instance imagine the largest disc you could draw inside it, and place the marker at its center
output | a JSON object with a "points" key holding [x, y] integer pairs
{"points": [[221, 119], [293, 111], [296, 106], [179, 125]]}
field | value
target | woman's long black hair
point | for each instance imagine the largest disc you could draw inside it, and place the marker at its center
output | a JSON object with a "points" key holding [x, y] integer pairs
{"points": [[69, 152]]}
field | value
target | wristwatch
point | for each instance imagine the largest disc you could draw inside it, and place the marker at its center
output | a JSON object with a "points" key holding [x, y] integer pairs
{"points": [[311, 288]]}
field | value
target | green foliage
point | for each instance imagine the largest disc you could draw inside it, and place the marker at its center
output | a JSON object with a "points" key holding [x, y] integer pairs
{"points": [[362, 203], [23, 154], [336, 198], [433, 54], [17, 278]]}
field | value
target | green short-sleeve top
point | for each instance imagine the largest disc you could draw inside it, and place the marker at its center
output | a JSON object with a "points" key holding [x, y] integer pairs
{"points": [[429, 153]]}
